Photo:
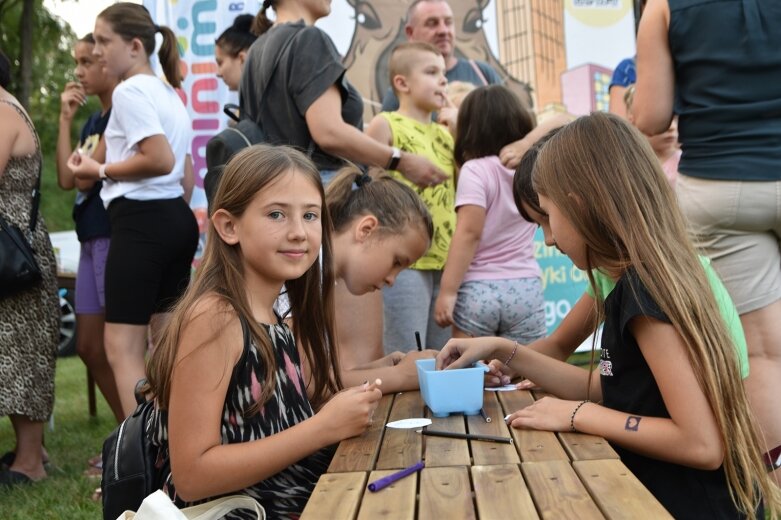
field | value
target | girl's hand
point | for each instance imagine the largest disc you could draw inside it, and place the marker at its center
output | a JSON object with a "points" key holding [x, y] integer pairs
{"points": [[527, 384], [498, 374], [460, 353], [443, 309], [410, 357], [548, 414], [71, 99], [512, 153], [350, 412], [394, 358], [84, 167]]}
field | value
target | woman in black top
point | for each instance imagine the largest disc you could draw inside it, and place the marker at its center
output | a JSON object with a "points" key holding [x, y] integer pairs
{"points": [[308, 102]]}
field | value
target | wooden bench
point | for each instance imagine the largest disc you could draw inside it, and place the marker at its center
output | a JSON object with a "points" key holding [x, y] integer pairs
{"points": [[540, 475]]}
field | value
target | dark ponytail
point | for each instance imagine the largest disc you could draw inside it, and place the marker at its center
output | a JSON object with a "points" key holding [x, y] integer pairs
{"points": [[262, 23], [353, 193], [238, 37], [169, 56], [130, 21]]}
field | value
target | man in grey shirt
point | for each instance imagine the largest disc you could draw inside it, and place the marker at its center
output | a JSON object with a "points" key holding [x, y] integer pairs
{"points": [[431, 21]]}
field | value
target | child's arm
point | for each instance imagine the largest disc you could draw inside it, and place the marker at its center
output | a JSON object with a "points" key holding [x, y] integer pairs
{"points": [[188, 180], [70, 100], [466, 238], [511, 154], [210, 345], [573, 330], [379, 129], [153, 158], [400, 377], [690, 436], [557, 377]]}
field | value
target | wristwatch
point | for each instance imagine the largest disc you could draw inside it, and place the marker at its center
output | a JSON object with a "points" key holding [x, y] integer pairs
{"points": [[102, 172], [393, 163]]}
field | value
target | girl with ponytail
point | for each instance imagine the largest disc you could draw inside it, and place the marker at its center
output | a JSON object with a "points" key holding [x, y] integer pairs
{"points": [[381, 226], [153, 230]]}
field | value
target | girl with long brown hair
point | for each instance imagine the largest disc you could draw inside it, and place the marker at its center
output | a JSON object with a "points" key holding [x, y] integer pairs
{"points": [[669, 395], [233, 412]]}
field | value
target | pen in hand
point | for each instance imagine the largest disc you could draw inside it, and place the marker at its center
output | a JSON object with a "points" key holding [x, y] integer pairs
{"points": [[417, 341]]}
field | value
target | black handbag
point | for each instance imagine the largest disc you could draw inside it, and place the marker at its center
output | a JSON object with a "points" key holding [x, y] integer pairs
{"points": [[18, 267]]}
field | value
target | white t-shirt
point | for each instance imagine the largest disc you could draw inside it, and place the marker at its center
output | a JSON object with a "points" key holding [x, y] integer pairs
{"points": [[143, 106]]}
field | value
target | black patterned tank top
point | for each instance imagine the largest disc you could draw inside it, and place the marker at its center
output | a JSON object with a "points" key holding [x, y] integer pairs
{"points": [[284, 494]]}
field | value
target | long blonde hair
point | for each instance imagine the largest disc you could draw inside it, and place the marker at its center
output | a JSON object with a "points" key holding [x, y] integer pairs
{"points": [[221, 273], [605, 178]]}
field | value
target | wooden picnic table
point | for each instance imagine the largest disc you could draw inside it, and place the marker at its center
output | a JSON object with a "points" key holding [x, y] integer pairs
{"points": [[540, 475]]}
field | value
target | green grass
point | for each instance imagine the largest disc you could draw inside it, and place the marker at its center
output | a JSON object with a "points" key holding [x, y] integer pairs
{"points": [[76, 437], [56, 204]]}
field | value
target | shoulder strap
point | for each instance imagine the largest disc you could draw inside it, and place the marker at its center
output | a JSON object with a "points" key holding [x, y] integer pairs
{"points": [[220, 507], [36, 193], [479, 72]]}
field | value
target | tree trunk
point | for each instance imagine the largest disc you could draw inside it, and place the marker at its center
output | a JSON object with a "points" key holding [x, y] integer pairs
{"points": [[26, 53]]}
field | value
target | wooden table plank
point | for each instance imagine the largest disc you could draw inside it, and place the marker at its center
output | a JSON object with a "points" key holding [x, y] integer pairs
{"points": [[557, 491], [500, 493], [337, 495], [617, 491], [581, 446], [396, 501], [360, 453], [532, 445], [446, 493], [486, 453], [443, 451], [402, 448]]}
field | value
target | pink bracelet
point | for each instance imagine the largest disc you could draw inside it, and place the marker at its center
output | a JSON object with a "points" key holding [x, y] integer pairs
{"points": [[507, 363]]}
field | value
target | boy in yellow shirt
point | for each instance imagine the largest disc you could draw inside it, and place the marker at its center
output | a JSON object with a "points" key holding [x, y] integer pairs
{"points": [[417, 73]]}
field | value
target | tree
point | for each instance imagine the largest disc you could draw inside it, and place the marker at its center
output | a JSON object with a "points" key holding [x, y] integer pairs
{"points": [[40, 45]]}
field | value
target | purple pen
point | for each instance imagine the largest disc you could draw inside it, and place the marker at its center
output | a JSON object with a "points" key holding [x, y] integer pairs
{"points": [[390, 479]]}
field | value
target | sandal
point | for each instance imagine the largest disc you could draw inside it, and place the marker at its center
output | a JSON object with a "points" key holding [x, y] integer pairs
{"points": [[8, 458], [9, 478]]}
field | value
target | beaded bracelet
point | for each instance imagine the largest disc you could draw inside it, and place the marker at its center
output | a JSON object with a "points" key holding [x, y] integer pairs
{"points": [[507, 363], [515, 349], [572, 417]]}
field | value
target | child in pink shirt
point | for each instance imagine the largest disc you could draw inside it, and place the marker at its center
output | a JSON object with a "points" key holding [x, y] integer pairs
{"points": [[491, 284]]}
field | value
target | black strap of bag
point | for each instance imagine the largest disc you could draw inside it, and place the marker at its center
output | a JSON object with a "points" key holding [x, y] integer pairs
{"points": [[266, 83]]}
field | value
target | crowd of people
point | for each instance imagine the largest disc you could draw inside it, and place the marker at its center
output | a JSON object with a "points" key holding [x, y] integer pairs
{"points": [[331, 247]]}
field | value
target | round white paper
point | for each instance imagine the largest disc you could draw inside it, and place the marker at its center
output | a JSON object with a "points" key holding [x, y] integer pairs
{"points": [[409, 423]]}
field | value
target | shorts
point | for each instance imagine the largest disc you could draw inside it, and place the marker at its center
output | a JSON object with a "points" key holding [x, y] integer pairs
{"points": [[91, 276], [409, 307], [513, 309], [737, 224], [150, 259]]}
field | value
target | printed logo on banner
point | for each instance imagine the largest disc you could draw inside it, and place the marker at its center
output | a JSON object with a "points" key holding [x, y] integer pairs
{"points": [[562, 282]]}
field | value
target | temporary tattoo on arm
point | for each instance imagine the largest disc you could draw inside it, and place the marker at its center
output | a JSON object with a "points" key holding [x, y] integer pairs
{"points": [[632, 423]]}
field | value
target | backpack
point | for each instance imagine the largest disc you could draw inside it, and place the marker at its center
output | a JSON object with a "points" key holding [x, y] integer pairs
{"points": [[129, 459], [225, 145], [230, 141]]}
